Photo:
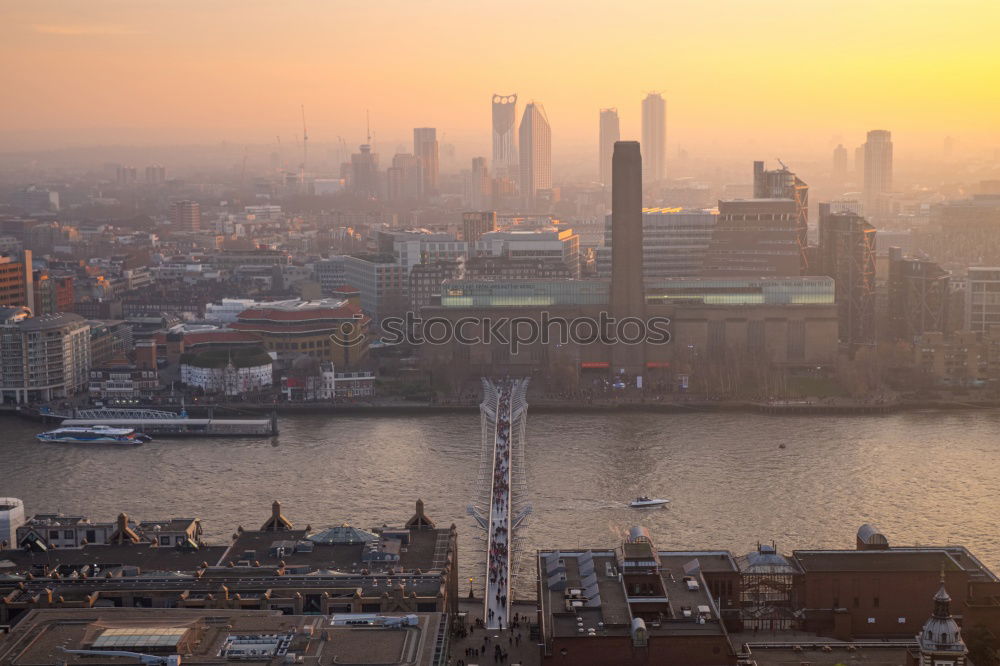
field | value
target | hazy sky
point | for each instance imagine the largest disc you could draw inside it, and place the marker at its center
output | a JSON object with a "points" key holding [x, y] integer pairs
{"points": [[790, 73]]}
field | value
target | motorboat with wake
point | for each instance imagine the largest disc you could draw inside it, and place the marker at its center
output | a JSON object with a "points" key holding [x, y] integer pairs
{"points": [[98, 434], [644, 502]]}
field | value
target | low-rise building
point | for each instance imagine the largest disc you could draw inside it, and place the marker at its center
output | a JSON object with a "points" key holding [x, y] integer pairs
{"points": [[326, 330], [235, 634], [231, 372]]}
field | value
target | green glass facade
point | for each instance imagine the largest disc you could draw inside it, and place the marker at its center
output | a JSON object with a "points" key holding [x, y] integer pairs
{"points": [[523, 293], [548, 293], [763, 291]]}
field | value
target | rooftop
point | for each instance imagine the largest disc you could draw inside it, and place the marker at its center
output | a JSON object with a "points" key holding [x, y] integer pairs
{"points": [[201, 637]]}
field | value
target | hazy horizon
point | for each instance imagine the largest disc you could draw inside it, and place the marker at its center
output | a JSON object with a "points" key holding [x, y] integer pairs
{"points": [[736, 75]]}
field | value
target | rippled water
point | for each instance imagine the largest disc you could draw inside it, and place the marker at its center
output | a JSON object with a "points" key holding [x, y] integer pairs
{"points": [[923, 477]]}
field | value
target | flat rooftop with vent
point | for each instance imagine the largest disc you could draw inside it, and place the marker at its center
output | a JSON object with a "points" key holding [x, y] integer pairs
{"points": [[226, 636], [595, 603]]}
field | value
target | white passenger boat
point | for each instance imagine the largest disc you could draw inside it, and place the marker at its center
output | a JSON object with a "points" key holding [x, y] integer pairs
{"points": [[98, 434], [643, 502]]}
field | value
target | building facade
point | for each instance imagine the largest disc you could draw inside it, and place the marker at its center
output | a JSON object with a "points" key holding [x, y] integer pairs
{"points": [[654, 138], [755, 238], [847, 254], [43, 358], [609, 132], [535, 154], [505, 163], [878, 173]]}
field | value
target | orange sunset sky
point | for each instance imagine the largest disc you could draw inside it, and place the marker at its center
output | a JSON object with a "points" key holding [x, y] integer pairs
{"points": [[802, 72]]}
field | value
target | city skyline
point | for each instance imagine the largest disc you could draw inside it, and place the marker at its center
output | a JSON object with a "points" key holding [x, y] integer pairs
{"points": [[927, 74]]}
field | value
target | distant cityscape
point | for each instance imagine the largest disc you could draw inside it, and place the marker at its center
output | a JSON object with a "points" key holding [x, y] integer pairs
{"points": [[167, 291], [272, 275]]}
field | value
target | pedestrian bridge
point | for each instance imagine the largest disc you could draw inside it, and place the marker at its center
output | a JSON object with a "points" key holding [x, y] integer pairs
{"points": [[501, 507]]}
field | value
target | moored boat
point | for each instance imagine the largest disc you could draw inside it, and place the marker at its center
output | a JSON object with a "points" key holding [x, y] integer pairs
{"points": [[98, 434]]}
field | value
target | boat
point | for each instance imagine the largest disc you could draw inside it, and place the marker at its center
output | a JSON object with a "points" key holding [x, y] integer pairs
{"points": [[643, 502], [98, 434]]}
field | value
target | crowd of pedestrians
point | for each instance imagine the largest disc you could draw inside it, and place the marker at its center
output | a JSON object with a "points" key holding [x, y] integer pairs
{"points": [[499, 582]]}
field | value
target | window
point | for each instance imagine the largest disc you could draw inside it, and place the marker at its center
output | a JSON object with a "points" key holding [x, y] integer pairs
{"points": [[164, 541], [69, 534], [871, 620], [53, 535]]}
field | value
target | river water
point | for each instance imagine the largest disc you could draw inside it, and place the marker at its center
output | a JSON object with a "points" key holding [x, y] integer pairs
{"points": [[922, 477]]}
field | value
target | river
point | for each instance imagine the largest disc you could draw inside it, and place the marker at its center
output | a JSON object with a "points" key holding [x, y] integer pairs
{"points": [[923, 477]]}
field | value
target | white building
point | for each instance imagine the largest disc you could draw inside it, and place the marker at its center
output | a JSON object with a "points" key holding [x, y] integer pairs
{"points": [[43, 358], [231, 372], [549, 244], [11, 517]]}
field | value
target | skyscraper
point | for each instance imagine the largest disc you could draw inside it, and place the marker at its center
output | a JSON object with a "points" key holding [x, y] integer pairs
{"points": [[425, 146], [847, 254], [185, 215], [477, 188], [878, 173], [783, 184], [610, 133], [840, 163], [919, 296], [364, 172], [504, 139], [654, 137], [405, 178], [535, 148]]}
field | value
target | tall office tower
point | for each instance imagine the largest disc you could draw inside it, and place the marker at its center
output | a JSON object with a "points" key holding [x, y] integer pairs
{"points": [[847, 254], [405, 178], [783, 184], [859, 163], [654, 137], [878, 173], [364, 172], [156, 174], [627, 290], [477, 186], [535, 149], [840, 163], [755, 238], [425, 146], [919, 293], [610, 132], [475, 225], [504, 136], [185, 215], [126, 175]]}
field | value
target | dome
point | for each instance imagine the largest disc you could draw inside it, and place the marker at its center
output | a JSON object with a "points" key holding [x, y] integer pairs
{"points": [[765, 560]]}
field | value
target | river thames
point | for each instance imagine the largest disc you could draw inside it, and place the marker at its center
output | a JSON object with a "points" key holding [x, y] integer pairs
{"points": [[922, 477]]}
